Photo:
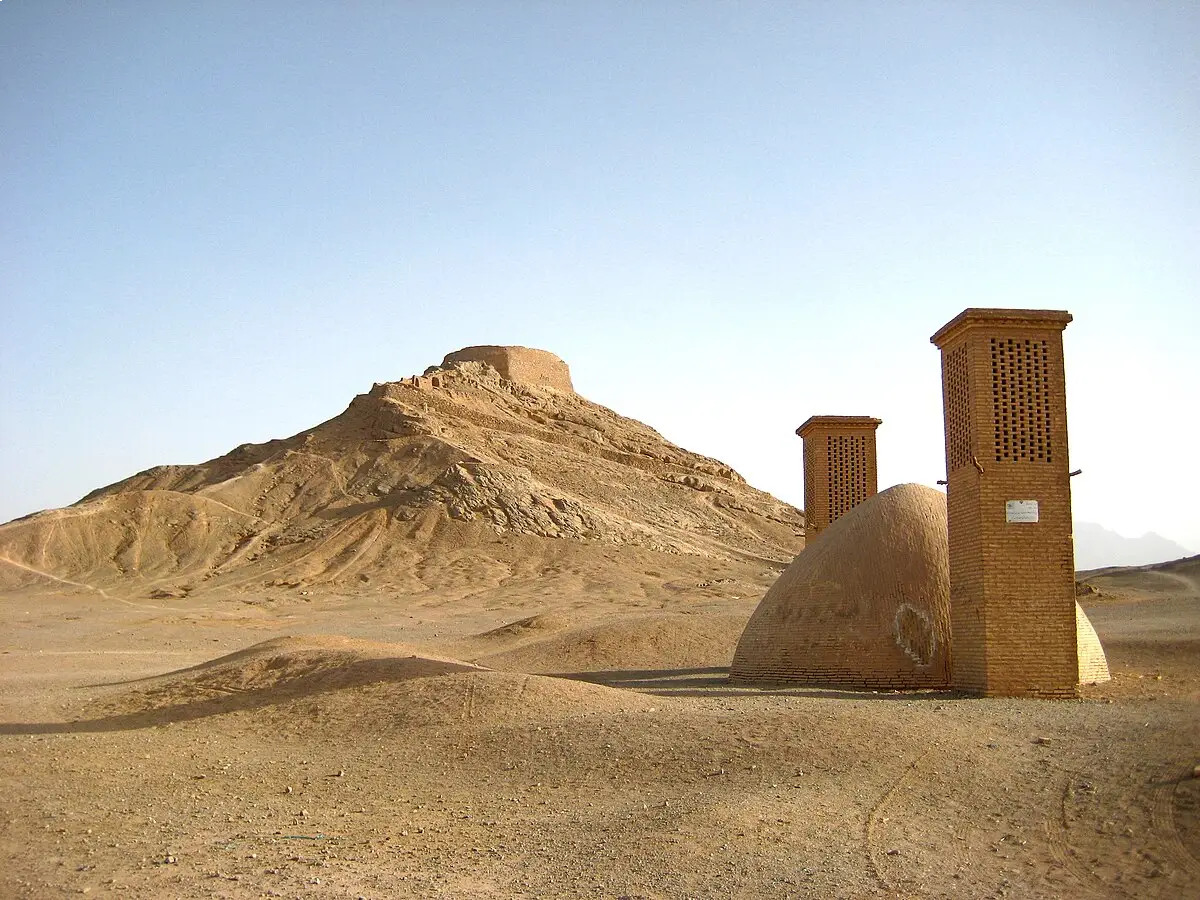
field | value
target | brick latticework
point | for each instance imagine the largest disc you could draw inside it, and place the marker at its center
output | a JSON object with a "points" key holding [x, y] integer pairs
{"points": [[839, 468], [1012, 580]]}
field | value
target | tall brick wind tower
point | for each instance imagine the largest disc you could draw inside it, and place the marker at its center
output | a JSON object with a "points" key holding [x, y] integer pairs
{"points": [[1012, 566], [839, 468]]}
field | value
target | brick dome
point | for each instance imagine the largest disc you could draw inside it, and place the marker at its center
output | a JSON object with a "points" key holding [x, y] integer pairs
{"points": [[865, 606]]}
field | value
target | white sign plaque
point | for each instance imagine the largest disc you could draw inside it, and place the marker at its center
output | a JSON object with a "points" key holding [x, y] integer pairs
{"points": [[1020, 510]]}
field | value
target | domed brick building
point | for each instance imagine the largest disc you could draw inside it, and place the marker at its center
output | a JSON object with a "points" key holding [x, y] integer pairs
{"points": [[867, 606]]}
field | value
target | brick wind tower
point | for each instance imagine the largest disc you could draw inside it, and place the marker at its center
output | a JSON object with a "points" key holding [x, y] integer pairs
{"points": [[839, 468], [1012, 572]]}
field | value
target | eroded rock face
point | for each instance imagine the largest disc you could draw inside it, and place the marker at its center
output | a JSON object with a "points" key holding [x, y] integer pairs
{"points": [[522, 364], [511, 499]]}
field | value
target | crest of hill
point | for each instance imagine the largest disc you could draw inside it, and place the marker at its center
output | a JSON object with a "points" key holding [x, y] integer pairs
{"points": [[660, 641], [411, 470]]}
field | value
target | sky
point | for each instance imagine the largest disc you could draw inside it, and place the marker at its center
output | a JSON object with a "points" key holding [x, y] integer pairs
{"points": [[220, 221]]}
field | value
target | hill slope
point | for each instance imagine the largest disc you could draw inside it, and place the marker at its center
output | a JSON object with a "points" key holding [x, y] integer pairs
{"points": [[1179, 577], [446, 466]]}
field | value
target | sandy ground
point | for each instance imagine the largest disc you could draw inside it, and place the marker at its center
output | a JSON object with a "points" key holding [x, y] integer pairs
{"points": [[357, 759]]}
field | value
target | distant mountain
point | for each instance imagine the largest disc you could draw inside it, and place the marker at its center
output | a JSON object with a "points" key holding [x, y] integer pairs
{"points": [[1096, 547]]}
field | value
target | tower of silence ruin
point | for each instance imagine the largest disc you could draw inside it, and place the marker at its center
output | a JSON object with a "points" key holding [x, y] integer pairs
{"points": [[524, 364]]}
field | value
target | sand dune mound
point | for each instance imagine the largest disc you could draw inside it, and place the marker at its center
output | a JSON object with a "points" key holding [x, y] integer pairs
{"points": [[660, 642], [493, 442], [288, 681], [868, 604], [489, 699], [277, 670], [530, 626]]}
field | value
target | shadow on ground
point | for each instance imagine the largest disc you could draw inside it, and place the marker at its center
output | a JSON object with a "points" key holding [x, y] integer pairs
{"points": [[159, 709], [714, 682]]}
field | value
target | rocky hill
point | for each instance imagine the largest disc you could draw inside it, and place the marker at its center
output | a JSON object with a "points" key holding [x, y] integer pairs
{"points": [[1179, 578], [461, 460]]}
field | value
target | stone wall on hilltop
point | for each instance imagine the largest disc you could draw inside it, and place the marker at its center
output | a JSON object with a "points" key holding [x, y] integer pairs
{"points": [[523, 364]]}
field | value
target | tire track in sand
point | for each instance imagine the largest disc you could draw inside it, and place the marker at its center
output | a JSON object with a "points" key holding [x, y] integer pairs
{"points": [[1065, 857], [1162, 815], [874, 817]]}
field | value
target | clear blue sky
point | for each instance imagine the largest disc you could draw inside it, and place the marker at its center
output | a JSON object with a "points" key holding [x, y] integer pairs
{"points": [[219, 221]]}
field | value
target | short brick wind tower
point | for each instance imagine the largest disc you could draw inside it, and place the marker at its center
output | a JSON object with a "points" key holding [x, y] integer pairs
{"points": [[839, 468], [1012, 578]]}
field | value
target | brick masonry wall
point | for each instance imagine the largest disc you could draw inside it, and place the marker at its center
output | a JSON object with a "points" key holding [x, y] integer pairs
{"points": [[1093, 665], [1012, 585]]}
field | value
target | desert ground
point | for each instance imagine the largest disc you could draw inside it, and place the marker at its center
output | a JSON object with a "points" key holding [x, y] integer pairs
{"points": [[250, 745], [477, 644]]}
